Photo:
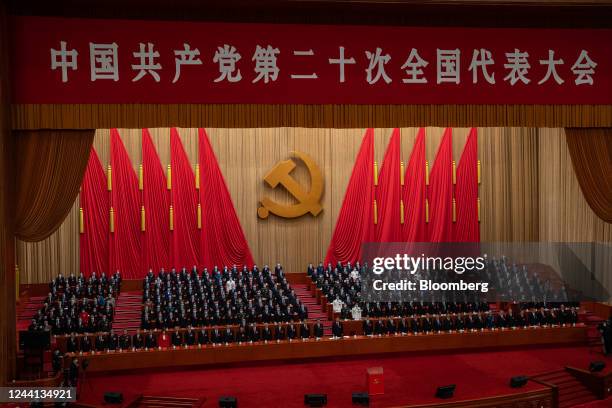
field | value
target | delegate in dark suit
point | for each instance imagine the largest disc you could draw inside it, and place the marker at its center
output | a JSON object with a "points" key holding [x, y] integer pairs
{"points": [[337, 330]]}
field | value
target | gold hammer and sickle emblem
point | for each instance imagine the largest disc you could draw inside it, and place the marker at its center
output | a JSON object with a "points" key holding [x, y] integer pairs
{"points": [[308, 201]]}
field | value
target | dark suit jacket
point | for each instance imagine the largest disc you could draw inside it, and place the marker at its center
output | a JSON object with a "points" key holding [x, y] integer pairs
{"points": [[337, 329], [124, 341], [304, 331], [177, 339], [151, 340], [368, 329]]}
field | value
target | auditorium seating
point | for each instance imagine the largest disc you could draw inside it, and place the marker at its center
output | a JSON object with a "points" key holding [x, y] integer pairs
{"points": [[78, 304], [231, 305], [221, 297], [341, 287]]}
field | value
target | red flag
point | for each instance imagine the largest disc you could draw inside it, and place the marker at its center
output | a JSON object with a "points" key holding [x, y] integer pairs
{"points": [[93, 242], [185, 236], [355, 223], [467, 228], [125, 246], [441, 192], [415, 227], [222, 239], [389, 194], [156, 202]]}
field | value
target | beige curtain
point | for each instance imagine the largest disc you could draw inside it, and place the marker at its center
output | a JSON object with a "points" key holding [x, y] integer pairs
{"points": [[565, 214], [510, 183]]}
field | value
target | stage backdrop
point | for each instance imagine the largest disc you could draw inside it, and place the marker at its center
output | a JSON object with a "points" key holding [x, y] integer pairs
{"points": [[529, 190]]}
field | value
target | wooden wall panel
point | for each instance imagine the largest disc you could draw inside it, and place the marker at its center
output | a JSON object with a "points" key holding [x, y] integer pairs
{"points": [[100, 116], [517, 166]]}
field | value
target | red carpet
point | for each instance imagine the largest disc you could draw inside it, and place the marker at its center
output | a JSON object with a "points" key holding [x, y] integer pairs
{"points": [[409, 379], [128, 312], [27, 310], [571, 391], [314, 311], [607, 403]]}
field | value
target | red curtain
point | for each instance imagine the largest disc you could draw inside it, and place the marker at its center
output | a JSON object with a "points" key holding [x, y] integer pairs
{"points": [[441, 192], [125, 247], [156, 202], [415, 227], [185, 236], [389, 193], [355, 222], [467, 228], [93, 242], [222, 239]]}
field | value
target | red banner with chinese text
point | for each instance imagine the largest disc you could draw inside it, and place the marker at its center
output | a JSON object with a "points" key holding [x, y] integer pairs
{"points": [[57, 60]]}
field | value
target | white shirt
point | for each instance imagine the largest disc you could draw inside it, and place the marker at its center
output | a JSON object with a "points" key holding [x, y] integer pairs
{"points": [[230, 285], [356, 312], [337, 305]]}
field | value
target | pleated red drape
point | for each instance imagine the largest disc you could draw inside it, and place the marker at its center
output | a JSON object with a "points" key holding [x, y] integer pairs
{"points": [[355, 223], [185, 236], [93, 242], [389, 193], [414, 193], [156, 202], [441, 192], [222, 240], [125, 246], [467, 228]]}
